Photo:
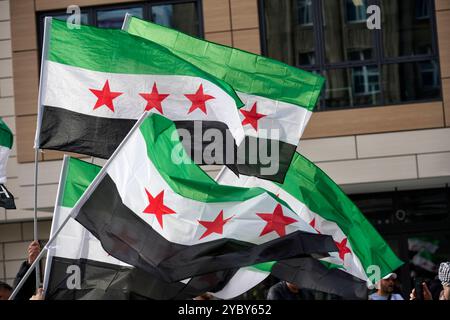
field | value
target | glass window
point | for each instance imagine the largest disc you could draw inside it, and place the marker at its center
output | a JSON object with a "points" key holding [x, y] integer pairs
{"points": [[114, 18], [341, 36], [356, 10], [290, 35], [403, 33], [365, 80], [358, 86], [423, 9], [304, 12], [412, 81], [181, 16], [363, 67]]}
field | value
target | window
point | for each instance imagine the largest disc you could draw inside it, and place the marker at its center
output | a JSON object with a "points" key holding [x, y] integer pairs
{"points": [[429, 74], [356, 10], [113, 18], [423, 9], [304, 12], [184, 15], [397, 64]]}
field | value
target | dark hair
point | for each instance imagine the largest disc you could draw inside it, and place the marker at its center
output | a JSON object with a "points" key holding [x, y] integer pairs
{"points": [[5, 286]]}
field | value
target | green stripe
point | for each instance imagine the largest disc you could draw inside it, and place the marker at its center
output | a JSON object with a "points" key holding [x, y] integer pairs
{"points": [[266, 266], [6, 136], [244, 71], [187, 179], [115, 51], [79, 176], [311, 186]]}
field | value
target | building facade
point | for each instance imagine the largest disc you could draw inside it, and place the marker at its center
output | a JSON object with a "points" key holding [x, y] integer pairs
{"points": [[381, 130]]}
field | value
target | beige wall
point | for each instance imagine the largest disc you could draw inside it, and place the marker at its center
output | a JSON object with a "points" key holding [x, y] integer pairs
{"points": [[14, 241]]}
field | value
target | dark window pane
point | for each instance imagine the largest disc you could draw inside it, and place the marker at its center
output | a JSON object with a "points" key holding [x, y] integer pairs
{"points": [[352, 87], [411, 81], [424, 206], [290, 31], [406, 27], [345, 30], [114, 18], [182, 17], [305, 12], [356, 10]]}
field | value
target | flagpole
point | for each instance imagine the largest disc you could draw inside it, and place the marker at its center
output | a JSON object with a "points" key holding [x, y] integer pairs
{"points": [[35, 222], [78, 205], [42, 83]]}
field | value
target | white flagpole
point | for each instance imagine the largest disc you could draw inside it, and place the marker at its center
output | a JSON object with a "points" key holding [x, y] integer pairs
{"points": [[79, 204], [43, 79]]}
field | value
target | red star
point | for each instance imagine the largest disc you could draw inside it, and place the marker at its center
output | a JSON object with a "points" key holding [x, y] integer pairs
{"points": [[154, 99], [215, 226], [105, 97], [156, 206], [313, 224], [276, 221], [343, 249], [252, 117], [198, 100]]}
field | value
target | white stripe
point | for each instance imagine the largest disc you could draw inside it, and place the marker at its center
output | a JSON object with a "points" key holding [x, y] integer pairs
{"points": [[351, 262], [132, 175], [76, 242], [286, 119], [4, 157], [68, 87], [243, 280]]}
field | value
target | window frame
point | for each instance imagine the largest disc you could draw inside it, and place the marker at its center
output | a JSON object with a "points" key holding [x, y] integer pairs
{"points": [[379, 58]]}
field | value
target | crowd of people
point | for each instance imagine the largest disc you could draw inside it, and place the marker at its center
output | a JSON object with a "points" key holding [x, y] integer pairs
{"points": [[283, 290]]}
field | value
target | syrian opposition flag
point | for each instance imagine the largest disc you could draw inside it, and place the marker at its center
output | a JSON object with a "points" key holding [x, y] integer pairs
{"points": [[320, 202], [95, 83], [172, 220], [278, 98], [6, 142], [78, 268]]}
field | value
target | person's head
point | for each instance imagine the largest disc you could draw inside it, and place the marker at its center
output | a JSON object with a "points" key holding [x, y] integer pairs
{"points": [[444, 276], [292, 287], [5, 291], [387, 284]]}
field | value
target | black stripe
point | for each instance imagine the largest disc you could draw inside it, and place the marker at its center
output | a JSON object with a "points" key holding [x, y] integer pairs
{"points": [[310, 273], [130, 239], [250, 162], [6, 198], [207, 149], [70, 131], [105, 281], [65, 130]]}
